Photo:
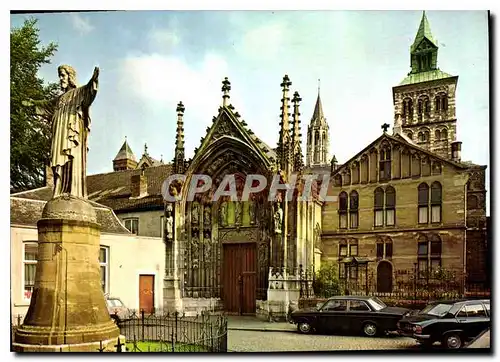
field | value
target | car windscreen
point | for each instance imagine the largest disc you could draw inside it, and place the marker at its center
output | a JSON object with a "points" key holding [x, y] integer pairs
{"points": [[115, 303], [376, 303], [438, 310]]}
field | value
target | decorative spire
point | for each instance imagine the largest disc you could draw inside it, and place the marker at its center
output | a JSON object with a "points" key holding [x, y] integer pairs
{"points": [[298, 162], [385, 127], [284, 141], [424, 50], [179, 140], [424, 31], [318, 140], [145, 148], [318, 115], [333, 163], [226, 87]]}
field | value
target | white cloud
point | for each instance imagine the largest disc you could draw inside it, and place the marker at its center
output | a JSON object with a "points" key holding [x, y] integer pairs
{"points": [[264, 42], [163, 38], [159, 82], [81, 24]]}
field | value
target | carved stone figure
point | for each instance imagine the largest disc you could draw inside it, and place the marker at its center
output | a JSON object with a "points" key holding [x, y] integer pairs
{"points": [[207, 219], [237, 213], [223, 214], [169, 222], [251, 211], [195, 214], [278, 219], [69, 114]]}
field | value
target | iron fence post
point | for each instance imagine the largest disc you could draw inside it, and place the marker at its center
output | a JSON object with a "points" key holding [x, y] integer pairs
{"points": [[142, 322]]}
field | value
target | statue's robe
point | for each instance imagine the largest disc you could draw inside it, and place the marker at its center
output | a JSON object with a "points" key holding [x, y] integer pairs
{"points": [[70, 117]]}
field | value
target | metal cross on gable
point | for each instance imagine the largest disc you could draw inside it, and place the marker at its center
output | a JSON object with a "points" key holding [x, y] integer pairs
{"points": [[385, 127]]}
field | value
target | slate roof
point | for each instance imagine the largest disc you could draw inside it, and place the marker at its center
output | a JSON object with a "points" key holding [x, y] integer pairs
{"points": [[113, 189], [318, 116], [25, 211], [125, 153]]}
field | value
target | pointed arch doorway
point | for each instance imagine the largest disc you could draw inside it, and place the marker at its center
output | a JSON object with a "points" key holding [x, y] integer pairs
{"points": [[384, 277]]}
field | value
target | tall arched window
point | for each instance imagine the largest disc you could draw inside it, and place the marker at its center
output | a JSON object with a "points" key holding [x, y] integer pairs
{"points": [[343, 210], [384, 248], [379, 207], [353, 209], [385, 164], [444, 134], [435, 248], [436, 199], [390, 206], [423, 203], [408, 108], [437, 135], [429, 255], [423, 256], [410, 135]]}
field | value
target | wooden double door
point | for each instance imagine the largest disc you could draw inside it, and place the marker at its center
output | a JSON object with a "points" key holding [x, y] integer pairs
{"points": [[239, 278]]}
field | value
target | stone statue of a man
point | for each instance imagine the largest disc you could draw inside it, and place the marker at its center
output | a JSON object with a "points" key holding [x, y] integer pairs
{"points": [[69, 114], [278, 218]]}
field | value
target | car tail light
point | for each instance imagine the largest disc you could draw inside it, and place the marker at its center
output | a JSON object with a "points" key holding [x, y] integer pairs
{"points": [[417, 329]]}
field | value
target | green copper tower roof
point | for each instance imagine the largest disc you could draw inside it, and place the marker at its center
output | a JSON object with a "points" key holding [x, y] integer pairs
{"points": [[424, 31], [424, 56]]}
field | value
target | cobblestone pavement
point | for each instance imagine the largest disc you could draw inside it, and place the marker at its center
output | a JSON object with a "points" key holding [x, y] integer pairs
{"points": [[258, 341]]}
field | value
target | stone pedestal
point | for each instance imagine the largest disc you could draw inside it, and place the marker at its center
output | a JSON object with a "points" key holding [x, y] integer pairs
{"points": [[67, 310], [172, 298], [282, 294]]}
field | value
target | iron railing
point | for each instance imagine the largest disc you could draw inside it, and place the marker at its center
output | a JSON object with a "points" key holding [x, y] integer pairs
{"points": [[163, 332]]}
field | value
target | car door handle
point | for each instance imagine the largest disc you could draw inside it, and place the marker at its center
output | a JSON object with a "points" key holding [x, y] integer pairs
{"points": [[462, 320]]}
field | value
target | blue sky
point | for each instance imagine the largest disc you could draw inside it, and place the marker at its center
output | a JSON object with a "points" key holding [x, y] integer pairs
{"points": [[150, 61]]}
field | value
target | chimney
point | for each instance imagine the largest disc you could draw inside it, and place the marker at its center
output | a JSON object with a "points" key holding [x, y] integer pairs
{"points": [[49, 176], [456, 151], [139, 185]]}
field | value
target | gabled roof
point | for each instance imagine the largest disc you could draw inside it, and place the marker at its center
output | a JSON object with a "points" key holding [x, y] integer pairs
{"points": [[125, 153], [424, 32], [149, 161], [227, 123], [27, 212], [113, 189], [402, 141]]}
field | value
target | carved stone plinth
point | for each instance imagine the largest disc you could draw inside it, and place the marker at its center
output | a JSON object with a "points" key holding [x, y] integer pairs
{"points": [[67, 305], [172, 298]]}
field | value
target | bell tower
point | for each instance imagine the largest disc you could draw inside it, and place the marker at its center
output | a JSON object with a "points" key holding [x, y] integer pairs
{"points": [[318, 139], [424, 101]]}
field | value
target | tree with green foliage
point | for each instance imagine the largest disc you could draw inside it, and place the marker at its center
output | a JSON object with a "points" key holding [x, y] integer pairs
{"points": [[29, 134], [326, 283]]}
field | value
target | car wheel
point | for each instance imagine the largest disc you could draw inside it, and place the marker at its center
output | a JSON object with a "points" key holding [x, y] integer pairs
{"points": [[452, 341], [369, 329], [304, 327]]}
